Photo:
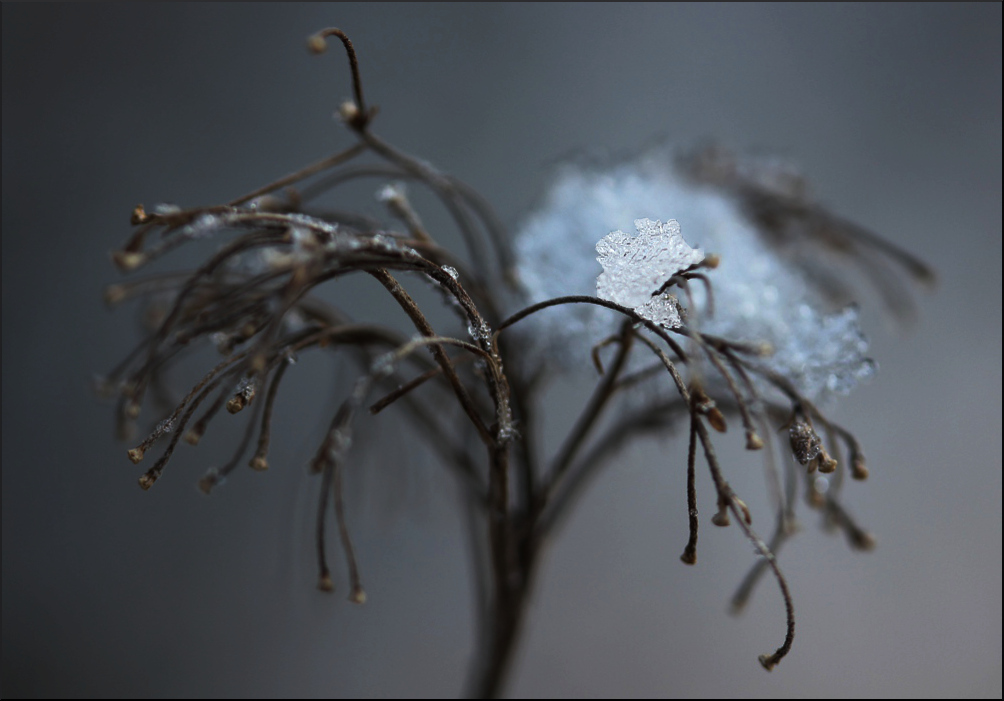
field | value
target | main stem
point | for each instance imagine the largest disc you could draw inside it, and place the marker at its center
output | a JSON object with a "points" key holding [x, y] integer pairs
{"points": [[514, 559], [513, 554]]}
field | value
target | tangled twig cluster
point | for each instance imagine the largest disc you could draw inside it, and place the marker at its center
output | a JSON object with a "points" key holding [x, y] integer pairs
{"points": [[254, 300]]}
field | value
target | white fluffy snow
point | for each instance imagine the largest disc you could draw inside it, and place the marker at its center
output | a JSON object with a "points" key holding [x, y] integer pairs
{"points": [[758, 296]]}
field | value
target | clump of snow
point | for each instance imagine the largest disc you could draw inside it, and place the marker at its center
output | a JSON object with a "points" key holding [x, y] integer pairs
{"points": [[758, 295]]}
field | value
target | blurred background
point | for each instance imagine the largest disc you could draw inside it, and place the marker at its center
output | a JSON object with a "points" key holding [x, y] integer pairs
{"points": [[894, 113]]}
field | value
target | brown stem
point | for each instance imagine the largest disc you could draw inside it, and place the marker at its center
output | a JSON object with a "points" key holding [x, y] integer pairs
{"points": [[412, 310], [601, 396]]}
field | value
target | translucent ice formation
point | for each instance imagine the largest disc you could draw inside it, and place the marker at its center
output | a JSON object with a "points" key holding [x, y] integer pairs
{"points": [[636, 267]]}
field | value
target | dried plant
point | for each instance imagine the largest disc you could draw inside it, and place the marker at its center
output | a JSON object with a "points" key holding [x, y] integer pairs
{"points": [[694, 338]]}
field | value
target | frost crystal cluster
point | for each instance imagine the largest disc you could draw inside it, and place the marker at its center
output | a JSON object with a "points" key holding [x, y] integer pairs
{"points": [[635, 268], [759, 295]]}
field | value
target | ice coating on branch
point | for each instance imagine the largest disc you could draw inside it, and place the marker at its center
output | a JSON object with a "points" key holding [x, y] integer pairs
{"points": [[759, 295], [635, 267]]}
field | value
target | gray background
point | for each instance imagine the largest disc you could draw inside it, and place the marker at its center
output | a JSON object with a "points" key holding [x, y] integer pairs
{"points": [[893, 111]]}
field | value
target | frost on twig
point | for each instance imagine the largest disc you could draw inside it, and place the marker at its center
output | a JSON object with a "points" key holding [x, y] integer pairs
{"points": [[635, 268]]}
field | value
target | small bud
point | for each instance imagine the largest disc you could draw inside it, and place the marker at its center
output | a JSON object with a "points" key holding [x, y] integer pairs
{"points": [[791, 526], [244, 396], [136, 455], [316, 44], [128, 260], [764, 349], [859, 470], [132, 409], [224, 343], [753, 441], [689, 557], [208, 481], [862, 540], [768, 662], [148, 478], [712, 260], [114, 294], [827, 464], [717, 419], [721, 518], [348, 112], [139, 216], [194, 435], [358, 596], [747, 516], [704, 404], [324, 583], [258, 363], [258, 462]]}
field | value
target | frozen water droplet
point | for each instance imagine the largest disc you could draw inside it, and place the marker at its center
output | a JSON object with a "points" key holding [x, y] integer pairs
{"points": [[390, 192], [451, 271], [341, 441], [479, 333], [385, 243], [662, 309], [204, 225], [165, 210], [302, 236], [383, 365]]}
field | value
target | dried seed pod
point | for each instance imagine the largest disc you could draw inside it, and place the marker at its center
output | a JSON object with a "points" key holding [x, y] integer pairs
{"points": [[827, 463], [139, 216], [859, 470], [325, 582], [805, 442], [721, 518], [717, 419], [243, 397]]}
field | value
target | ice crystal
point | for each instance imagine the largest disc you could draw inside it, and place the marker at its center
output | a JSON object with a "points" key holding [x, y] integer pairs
{"points": [[165, 209], [636, 267], [204, 225], [165, 426]]}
